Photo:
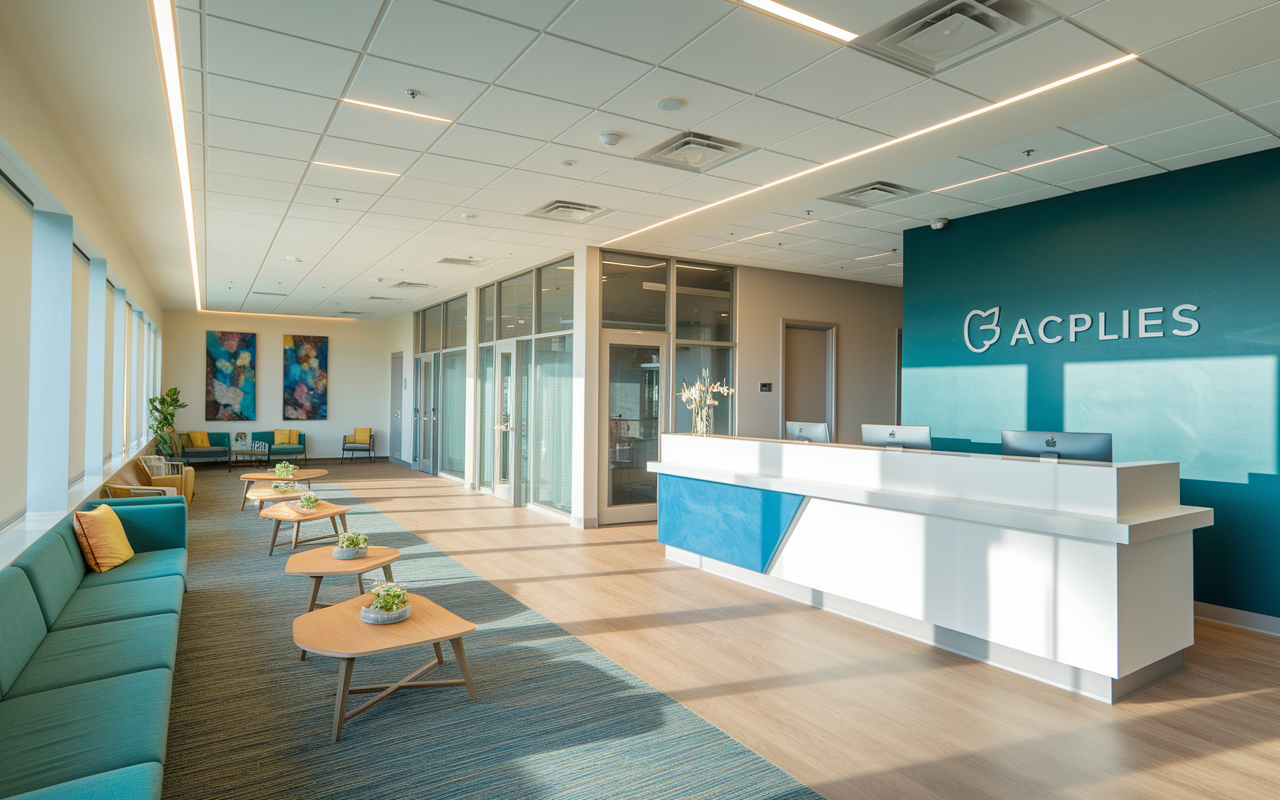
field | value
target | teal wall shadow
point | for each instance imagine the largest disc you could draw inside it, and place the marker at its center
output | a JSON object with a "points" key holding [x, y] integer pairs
{"points": [[1207, 235]]}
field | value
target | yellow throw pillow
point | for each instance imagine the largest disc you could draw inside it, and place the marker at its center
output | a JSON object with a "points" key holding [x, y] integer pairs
{"points": [[362, 435], [102, 539], [293, 437], [282, 437], [199, 438]]}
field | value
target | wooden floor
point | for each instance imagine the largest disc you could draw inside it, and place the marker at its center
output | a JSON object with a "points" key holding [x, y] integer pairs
{"points": [[848, 709]]}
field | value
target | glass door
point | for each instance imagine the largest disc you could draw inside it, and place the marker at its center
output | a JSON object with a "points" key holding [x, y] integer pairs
{"points": [[632, 392], [507, 430], [426, 421]]}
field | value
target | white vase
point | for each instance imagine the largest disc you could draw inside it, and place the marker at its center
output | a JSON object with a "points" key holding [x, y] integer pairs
{"points": [[376, 616]]}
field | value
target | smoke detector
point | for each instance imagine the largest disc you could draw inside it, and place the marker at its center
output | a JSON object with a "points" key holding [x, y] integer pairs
{"points": [[871, 194], [942, 33], [565, 211], [695, 151]]}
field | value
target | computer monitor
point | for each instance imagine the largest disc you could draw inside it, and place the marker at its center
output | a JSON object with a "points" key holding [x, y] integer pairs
{"points": [[910, 437], [1074, 446], [808, 432]]}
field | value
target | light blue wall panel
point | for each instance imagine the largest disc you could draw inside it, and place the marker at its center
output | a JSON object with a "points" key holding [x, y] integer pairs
{"points": [[734, 524]]}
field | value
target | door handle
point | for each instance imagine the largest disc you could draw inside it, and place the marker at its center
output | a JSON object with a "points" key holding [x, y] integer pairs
{"points": [[397, 415]]}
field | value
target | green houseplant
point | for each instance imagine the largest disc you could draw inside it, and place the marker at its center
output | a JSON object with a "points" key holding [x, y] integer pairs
{"points": [[164, 410], [390, 604], [351, 545]]}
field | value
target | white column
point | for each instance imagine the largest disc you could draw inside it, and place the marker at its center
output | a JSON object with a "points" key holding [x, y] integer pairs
{"points": [[95, 382], [586, 387], [49, 376], [119, 381]]}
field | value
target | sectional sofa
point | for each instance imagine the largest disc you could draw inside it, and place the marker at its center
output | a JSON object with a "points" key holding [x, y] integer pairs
{"points": [[87, 659]]}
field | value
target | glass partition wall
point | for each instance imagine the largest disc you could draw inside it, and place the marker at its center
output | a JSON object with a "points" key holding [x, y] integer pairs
{"points": [[440, 373]]}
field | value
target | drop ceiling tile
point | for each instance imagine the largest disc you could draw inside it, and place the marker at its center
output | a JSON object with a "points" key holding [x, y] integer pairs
{"points": [[572, 72], [1098, 162], [197, 180], [384, 128], [637, 137], [478, 144], [602, 231], [732, 233], [588, 164], [816, 209], [318, 196], [999, 186], [1217, 153], [872, 218], [1045, 145], [966, 210], [923, 206], [1240, 43], [862, 79], [736, 250], [703, 100], [345, 23], [819, 246], [643, 176], [943, 173], [1162, 113], [405, 207], [1246, 88], [244, 186], [829, 141], [235, 162], [195, 156], [480, 217], [770, 222], [192, 90], [1051, 53], [530, 13], [693, 243], [250, 218], [777, 239], [511, 236], [394, 222], [1043, 193], [347, 179], [268, 105], [491, 200], [535, 184], [916, 108], [1068, 7], [387, 83], [459, 229], [1192, 138], [820, 229], [750, 51], [708, 189], [364, 155], [632, 221], [761, 167], [510, 111], [812, 261], [189, 39], [1108, 178], [458, 171], [760, 123], [253, 54], [233, 134], [1268, 114], [649, 31], [447, 194], [663, 206], [195, 127], [604, 196], [1140, 25], [347, 216], [445, 38]]}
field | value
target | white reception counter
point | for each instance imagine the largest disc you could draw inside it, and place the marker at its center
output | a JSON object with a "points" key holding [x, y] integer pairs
{"points": [[1075, 573]]}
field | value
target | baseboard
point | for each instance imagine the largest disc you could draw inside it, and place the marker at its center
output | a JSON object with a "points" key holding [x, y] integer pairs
{"points": [[1240, 619], [394, 460]]}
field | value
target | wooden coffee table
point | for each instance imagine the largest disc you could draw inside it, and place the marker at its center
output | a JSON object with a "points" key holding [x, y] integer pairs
{"points": [[337, 632], [285, 512], [318, 562], [300, 475], [262, 493]]}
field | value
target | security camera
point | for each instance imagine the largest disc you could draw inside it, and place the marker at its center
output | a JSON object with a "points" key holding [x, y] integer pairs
{"points": [[610, 138], [939, 223]]}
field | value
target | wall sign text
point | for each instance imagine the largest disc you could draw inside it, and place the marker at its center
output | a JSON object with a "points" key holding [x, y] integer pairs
{"points": [[1145, 323]]}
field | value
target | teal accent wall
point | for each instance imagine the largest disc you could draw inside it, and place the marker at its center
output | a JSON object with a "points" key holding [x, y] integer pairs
{"points": [[1208, 236], [735, 524]]}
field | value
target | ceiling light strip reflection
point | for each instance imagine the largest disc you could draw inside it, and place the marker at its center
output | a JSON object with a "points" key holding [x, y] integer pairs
{"points": [[356, 169], [979, 112], [1020, 169], [801, 18], [167, 41], [396, 110]]}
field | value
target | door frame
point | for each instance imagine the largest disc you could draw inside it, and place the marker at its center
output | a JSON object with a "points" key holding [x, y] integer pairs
{"points": [[830, 328], [428, 365], [395, 444], [511, 426], [609, 337]]}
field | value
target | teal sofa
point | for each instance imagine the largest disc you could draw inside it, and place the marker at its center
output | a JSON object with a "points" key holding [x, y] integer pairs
{"points": [[87, 659], [282, 452], [219, 449]]}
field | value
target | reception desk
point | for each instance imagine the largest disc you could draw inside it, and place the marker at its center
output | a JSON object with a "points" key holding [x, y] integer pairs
{"points": [[1074, 573]]}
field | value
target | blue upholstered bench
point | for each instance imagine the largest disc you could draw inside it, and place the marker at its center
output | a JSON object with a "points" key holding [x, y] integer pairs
{"points": [[87, 659], [276, 452]]}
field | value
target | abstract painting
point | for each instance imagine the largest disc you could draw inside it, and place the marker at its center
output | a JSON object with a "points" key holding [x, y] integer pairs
{"points": [[230, 383], [306, 377]]}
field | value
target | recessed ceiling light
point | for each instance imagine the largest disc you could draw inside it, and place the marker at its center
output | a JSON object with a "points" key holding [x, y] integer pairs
{"points": [[801, 18], [355, 169], [671, 103], [396, 110]]}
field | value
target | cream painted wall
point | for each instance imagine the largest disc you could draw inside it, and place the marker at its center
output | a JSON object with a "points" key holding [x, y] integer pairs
{"points": [[359, 374], [867, 318]]}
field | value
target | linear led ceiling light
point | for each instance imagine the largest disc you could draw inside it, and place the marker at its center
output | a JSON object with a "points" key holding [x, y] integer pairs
{"points": [[356, 169], [396, 111], [166, 27], [801, 18], [954, 120], [1020, 169]]}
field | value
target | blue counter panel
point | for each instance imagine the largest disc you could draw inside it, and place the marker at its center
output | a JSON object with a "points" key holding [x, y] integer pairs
{"points": [[733, 524]]}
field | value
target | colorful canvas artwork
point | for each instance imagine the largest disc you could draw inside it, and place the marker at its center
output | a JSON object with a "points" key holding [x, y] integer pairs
{"points": [[230, 384], [306, 377]]}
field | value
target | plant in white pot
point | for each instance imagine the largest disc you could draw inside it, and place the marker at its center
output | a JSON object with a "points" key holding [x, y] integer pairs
{"points": [[284, 470], [390, 604], [351, 545], [309, 501], [284, 487]]}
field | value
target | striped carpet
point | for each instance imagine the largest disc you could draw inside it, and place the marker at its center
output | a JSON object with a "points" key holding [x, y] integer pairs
{"points": [[556, 719]]}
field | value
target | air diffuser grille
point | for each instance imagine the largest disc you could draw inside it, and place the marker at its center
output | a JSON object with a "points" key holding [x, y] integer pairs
{"points": [[942, 33], [871, 194], [696, 152], [467, 261], [565, 211]]}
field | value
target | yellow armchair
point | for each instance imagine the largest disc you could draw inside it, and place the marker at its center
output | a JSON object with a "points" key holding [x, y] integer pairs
{"points": [[359, 442], [155, 471]]}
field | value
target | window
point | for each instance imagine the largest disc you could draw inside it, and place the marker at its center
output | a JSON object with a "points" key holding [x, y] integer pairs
{"points": [[634, 292], [516, 297], [690, 362], [453, 414], [556, 297], [431, 328], [455, 322], [553, 431], [484, 455], [487, 302], [704, 302]]}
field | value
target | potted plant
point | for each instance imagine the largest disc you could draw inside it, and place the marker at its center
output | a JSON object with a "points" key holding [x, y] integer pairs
{"points": [[285, 487], [309, 501], [284, 469], [700, 398], [164, 410], [390, 604], [351, 545]]}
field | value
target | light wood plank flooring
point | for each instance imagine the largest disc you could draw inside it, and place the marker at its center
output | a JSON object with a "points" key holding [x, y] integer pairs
{"points": [[846, 708]]}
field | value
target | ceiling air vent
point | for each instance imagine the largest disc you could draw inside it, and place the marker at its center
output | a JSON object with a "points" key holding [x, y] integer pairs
{"points": [[412, 285], [273, 294], [696, 152], [466, 261], [871, 194], [375, 297], [942, 33], [353, 313], [565, 211]]}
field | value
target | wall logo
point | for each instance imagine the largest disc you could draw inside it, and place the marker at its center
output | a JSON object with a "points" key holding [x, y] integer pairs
{"points": [[1150, 321]]}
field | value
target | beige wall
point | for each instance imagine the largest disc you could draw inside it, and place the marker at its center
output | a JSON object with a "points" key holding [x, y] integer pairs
{"points": [[867, 318], [15, 331], [359, 374]]}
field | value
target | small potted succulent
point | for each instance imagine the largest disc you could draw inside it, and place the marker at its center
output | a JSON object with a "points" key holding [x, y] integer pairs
{"points": [[284, 470], [309, 501], [284, 487], [351, 545], [390, 604]]}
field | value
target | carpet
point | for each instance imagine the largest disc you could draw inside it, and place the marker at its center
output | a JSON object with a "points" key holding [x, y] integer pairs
{"points": [[556, 719]]}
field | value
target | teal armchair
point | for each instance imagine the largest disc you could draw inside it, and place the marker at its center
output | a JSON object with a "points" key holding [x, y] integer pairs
{"points": [[284, 452]]}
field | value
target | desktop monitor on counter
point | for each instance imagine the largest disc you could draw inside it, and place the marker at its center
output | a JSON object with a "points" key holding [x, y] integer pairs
{"points": [[1059, 444], [909, 437], [808, 432]]}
